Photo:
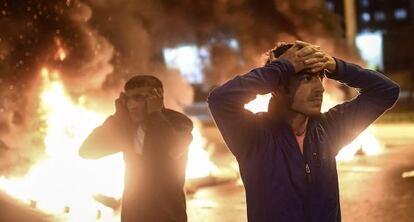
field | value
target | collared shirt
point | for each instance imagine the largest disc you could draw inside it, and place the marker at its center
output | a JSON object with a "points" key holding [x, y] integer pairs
{"points": [[138, 140]]}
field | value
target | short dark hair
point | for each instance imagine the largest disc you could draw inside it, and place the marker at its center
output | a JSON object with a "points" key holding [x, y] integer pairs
{"points": [[142, 81], [278, 51]]}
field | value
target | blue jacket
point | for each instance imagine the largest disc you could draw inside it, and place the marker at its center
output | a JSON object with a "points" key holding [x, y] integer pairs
{"points": [[282, 184]]}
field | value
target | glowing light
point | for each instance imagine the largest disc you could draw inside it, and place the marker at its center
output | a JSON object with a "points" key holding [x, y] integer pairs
{"points": [[408, 174], [63, 182], [45, 73], [328, 102], [199, 163], [189, 60], [370, 47], [365, 143], [259, 104], [62, 55]]}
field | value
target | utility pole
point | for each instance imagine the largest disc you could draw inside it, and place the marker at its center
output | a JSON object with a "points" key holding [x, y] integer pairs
{"points": [[350, 21]]}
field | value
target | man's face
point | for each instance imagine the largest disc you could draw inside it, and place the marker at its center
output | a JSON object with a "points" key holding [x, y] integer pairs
{"points": [[136, 103], [306, 91]]}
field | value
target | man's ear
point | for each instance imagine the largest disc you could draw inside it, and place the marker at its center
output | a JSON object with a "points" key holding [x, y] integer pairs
{"points": [[290, 90], [160, 92]]}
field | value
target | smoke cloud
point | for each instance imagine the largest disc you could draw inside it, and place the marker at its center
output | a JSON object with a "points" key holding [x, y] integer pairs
{"points": [[108, 41]]}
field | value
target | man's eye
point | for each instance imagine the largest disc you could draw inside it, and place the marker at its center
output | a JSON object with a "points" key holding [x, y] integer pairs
{"points": [[321, 75], [138, 98], [307, 78]]}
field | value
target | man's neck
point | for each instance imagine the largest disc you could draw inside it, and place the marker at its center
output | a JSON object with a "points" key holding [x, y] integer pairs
{"points": [[298, 122], [140, 125]]}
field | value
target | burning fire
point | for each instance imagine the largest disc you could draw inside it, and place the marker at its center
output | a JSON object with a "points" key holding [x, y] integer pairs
{"points": [[365, 142], [198, 164], [60, 53], [62, 183]]}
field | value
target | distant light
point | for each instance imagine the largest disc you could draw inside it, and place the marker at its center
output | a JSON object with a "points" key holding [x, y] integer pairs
{"points": [[233, 43], [408, 174], [400, 14], [190, 60], [379, 16], [364, 3], [366, 17], [370, 47], [330, 6]]}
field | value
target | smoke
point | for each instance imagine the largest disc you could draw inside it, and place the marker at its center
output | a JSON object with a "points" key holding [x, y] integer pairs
{"points": [[32, 33], [105, 42]]}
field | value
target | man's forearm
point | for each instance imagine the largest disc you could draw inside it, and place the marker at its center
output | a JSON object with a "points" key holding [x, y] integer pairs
{"points": [[104, 140], [347, 120], [371, 84], [242, 89]]}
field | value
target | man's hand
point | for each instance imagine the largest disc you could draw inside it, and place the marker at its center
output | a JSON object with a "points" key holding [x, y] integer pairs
{"points": [[121, 115], [121, 110], [291, 55], [314, 58], [154, 102], [303, 55]]}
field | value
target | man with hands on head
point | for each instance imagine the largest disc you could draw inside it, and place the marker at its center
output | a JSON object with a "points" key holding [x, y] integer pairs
{"points": [[154, 141], [287, 155]]}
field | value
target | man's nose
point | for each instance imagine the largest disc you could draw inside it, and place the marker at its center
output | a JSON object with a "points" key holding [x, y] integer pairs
{"points": [[131, 104], [319, 86]]}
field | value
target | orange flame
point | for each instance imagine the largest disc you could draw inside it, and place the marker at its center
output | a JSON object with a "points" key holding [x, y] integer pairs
{"points": [[63, 183], [199, 163], [60, 51]]}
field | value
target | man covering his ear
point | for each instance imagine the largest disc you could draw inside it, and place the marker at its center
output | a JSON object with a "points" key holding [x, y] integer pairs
{"points": [[154, 141]]}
